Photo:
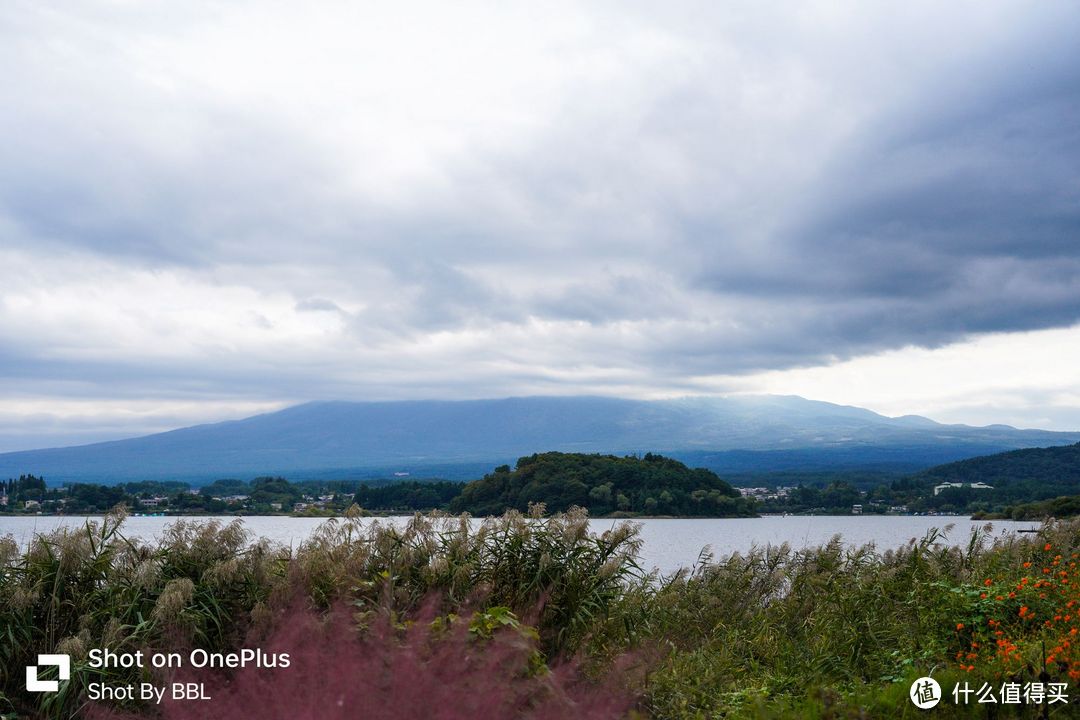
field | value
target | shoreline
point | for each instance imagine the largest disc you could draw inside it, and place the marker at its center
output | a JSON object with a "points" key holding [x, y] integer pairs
{"points": [[591, 517]]}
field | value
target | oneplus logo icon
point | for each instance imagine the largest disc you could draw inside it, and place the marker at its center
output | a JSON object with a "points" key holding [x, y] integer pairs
{"points": [[63, 664]]}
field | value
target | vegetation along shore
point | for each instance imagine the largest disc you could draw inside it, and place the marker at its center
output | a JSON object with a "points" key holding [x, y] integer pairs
{"points": [[575, 624], [1023, 484]]}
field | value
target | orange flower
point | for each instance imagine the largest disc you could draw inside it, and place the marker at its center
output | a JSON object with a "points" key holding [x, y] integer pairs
{"points": [[1023, 610], [1047, 547], [988, 582], [959, 626]]}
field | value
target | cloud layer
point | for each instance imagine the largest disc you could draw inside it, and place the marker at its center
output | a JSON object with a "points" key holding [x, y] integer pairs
{"points": [[255, 203]]}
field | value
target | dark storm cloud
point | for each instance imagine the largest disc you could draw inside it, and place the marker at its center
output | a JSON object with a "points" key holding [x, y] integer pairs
{"points": [[958, 214]]}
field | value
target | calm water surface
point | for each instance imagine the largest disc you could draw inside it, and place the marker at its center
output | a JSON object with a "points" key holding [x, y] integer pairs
{"points": [[668, 543]]}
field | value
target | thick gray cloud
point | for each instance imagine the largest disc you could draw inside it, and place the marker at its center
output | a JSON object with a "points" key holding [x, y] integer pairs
{"points": [[249, 202]]}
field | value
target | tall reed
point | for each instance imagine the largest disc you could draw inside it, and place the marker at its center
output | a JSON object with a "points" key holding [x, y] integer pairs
{"points": [[770, 632]]}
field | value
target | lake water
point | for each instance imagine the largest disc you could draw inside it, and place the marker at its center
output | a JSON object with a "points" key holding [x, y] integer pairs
{"points": [[668, 543]]}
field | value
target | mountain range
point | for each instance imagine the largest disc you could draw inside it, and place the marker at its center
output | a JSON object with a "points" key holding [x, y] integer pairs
{"points": [[464, 439]]}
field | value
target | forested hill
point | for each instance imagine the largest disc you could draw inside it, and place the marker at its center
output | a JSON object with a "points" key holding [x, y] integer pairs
{"points": [[1017, 475], [604, 484]]}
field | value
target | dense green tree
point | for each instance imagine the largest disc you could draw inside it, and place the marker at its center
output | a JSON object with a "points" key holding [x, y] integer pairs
{"points": [[407, 496], [603, 484], [268, 490]]}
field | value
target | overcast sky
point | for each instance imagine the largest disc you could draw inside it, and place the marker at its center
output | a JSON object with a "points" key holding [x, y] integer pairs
{"points": [[210, 209]]}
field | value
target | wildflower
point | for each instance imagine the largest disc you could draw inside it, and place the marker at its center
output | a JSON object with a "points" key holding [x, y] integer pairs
{"points": [[959, 626], [223, 573], [608, 569], [76, 645], [988, 582], [9, 549], [261, 615], [173, 599], [22, 598], [1047, 547], [145, 574]]}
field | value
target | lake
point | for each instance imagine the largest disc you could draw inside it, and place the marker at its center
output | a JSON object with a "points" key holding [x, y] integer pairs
{"points": [[668, 544]]}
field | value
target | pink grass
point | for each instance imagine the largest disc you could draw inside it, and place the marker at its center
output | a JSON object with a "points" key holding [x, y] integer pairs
{"points": [[337, 673]]}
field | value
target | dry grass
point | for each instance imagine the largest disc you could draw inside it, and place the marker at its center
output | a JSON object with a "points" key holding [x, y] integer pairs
{"points": [[831, 631]]}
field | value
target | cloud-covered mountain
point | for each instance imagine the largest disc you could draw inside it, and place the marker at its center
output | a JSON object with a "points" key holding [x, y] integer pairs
{"points": [[464, 438]]}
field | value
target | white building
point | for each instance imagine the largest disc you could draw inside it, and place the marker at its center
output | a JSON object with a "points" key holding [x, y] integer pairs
{"points": [[973, 486]]}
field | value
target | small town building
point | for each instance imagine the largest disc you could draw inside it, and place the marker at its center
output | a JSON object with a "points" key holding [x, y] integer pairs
{"points": [[973, 486]]}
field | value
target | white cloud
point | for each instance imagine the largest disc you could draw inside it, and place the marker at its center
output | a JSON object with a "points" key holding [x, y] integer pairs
{"points": [[1025, 379], [248, 204]]}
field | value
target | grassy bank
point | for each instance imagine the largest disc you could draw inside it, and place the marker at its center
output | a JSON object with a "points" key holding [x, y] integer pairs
{"points": [[828, 632]]}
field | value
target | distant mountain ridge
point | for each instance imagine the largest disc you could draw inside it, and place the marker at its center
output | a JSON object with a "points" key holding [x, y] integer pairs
{"points": [[467, 438]]}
